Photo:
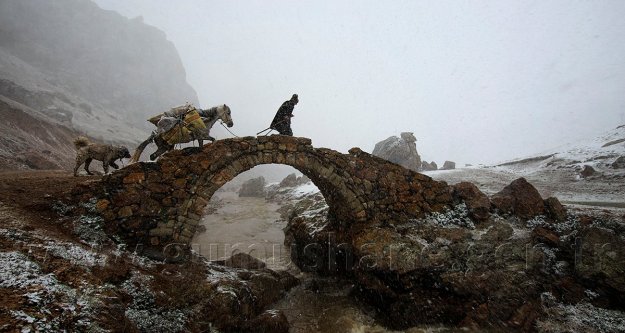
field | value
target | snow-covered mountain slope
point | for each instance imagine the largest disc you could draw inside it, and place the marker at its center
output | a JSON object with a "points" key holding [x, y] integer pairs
{"points": [[600, 153]]}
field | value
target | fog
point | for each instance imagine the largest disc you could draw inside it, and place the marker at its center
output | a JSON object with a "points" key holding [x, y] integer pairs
{"points": [[476, 81]]}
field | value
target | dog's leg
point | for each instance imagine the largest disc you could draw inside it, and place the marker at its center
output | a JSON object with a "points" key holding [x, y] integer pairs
{"points": [[80, 159], [112, 164]]}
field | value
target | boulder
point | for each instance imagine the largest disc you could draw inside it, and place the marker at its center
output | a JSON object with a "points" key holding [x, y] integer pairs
{"points": [[245, 261], [400, 150], [253, 188], [555, 210], [587, 171], [619, 163], [477, 202], [449, 165], [519, 198]]}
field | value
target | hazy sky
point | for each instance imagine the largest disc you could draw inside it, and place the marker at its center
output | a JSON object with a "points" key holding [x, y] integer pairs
{"points": [[476, 81]]}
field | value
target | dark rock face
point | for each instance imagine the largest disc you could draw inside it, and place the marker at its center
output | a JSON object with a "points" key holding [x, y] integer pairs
{"points": [[402, 151], [253, 188], [587, 171], [477, 202], [449, 165], [619, 163], [519, 198]]}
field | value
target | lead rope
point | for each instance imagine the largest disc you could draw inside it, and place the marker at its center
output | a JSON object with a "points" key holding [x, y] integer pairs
{"points": [[227, 129]]}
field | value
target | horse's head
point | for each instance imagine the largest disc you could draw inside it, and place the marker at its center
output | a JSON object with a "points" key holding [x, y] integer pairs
{"points": [[224, 113]]}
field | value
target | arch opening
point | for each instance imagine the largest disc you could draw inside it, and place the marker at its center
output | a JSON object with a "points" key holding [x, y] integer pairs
{"points": [[249, 214]]}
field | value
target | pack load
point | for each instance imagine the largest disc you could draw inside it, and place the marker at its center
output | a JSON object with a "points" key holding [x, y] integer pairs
{"points": [[177, 124]]}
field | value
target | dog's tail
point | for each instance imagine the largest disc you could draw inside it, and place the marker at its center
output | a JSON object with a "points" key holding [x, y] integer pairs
{"points": [[137, 154], [81, 142]]}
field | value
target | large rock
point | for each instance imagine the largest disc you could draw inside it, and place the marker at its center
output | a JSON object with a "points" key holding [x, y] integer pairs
{"points": [[432, 166], [519, 198], [477, 202], [402, 151], [449, 165], [292, 181], [619, 163], [253, 188]]}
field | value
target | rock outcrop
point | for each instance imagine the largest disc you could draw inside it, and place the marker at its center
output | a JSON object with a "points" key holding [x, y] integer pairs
{"points": [[402, 151], [449, 165], [425, 166], [253, 188]]}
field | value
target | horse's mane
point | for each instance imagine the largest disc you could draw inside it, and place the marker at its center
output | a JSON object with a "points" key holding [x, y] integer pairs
{"points": [[209, 113]]}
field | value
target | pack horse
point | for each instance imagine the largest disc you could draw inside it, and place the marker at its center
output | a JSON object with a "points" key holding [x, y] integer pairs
{"points": [[183, 124]]}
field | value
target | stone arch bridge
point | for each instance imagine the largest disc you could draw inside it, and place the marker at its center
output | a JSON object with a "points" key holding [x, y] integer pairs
{"points": [[162, 202]]}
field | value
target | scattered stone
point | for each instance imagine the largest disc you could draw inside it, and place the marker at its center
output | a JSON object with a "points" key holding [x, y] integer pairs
{"points": [[253, 188], [449, 165], [519, 198], [402, 151]]}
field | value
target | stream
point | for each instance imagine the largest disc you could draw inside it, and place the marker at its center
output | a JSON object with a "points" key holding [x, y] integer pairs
{"points": [[318, 304]]}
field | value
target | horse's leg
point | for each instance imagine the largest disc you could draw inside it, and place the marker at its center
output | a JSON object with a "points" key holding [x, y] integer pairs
{"points": [[105, 166], [87, 162], [139, 151], [163, 147]]}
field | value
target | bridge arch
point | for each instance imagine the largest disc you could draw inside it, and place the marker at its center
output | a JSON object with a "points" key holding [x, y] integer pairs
{"points": [[157, 203]]}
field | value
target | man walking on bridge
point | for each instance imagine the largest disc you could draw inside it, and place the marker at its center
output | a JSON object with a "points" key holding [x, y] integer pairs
{"points": [[282, 121]]}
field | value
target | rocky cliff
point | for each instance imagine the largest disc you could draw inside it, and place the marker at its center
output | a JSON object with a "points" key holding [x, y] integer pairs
{"points": [[86, 69]]}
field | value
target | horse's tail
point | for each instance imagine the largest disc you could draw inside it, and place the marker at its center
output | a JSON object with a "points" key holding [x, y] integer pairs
{"points": [[139, 150], [80, 142]]}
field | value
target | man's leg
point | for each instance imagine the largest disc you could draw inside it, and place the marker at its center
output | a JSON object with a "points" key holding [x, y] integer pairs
{"points": [[284, 129]]}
